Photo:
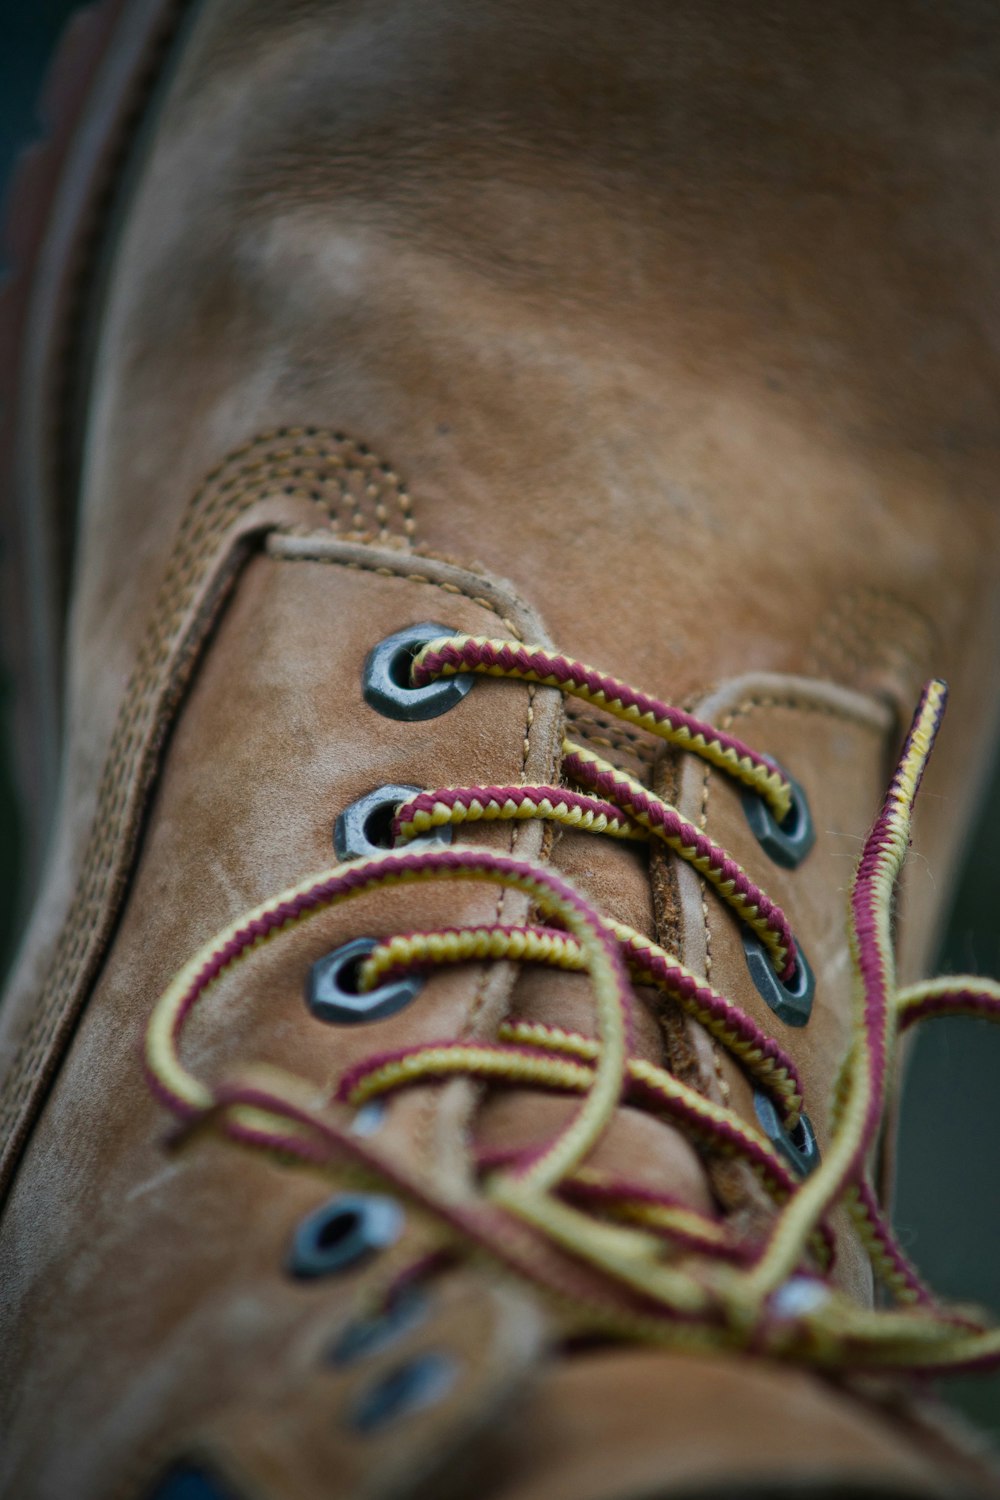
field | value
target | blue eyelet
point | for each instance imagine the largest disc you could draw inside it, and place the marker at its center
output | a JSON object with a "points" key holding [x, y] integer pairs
{"points": [[386, 679], [186, 1482], [332, 992], [798, 1147], [791, 1001], [419, 1383], [789, 841], [366, 1336], [342, 1233], [365, 827]]}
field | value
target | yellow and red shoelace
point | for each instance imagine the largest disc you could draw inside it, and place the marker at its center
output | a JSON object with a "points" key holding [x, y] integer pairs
{"points": [[616, 1258]]}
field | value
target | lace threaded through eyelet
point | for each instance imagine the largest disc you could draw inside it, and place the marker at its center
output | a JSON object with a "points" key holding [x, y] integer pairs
{"points": [[620, 1261]]}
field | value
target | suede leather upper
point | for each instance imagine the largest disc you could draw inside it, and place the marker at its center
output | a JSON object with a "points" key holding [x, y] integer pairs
{"points": [[659, 323]]}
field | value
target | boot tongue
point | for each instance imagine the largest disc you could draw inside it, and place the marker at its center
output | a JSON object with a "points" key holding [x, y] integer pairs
{"points": [[615, 875], [833, 743]]}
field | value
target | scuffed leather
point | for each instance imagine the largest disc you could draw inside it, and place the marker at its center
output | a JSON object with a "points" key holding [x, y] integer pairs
{"points": [[685, 327], [98, 1191]]}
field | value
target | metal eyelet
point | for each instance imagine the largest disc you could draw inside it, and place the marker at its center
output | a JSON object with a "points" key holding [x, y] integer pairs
{"points": [[369, 1118], [410, 1387], [789, 841], [798, 1297], [343, 1232], [184, 1481], [791, 1001], [365, 827], [367, 1336], [798, 1147], [386, 679], [332, 992]]}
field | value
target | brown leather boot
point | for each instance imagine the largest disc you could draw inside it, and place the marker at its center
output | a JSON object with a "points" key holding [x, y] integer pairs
{"points": [[679, 322]]}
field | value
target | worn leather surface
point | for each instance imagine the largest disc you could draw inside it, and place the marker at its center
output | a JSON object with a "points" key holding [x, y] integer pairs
{"points": [[659, 323], [576, 1443]]}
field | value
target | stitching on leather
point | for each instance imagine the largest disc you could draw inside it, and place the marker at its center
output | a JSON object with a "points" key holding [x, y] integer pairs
{"points": [[799, 704], [379, 483], [749, 706], [354, 565], [468, 1028], [164, 663], [447, 588], [863, 615], [479, 1000], [745, 709], [616, 737], [423, 1124], [848, 628]]}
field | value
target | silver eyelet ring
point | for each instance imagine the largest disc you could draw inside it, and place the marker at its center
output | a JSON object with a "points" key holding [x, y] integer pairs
{"points": [[332, 992], [370, 1118], [791, 1001], [342, 1233], [789, 841], [798, 1147], [189, 1481], [364, 1336], [386, 678], [365, 827], [410, 1387]]}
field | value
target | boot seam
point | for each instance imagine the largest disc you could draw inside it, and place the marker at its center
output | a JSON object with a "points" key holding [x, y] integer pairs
{"points": [[171, 647]]}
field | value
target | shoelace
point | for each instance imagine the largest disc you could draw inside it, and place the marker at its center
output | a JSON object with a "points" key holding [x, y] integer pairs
{"points": [[614, 1257]]}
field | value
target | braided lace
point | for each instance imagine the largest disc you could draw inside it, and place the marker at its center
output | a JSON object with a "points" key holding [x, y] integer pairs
{"points": [[614, 1257]]}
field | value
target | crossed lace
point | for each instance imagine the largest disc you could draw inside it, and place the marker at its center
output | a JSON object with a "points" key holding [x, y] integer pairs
{"points": [[615, 1258]]}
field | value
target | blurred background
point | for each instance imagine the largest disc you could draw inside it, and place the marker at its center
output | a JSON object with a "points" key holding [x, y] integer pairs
{"points": [[948, 1206]]}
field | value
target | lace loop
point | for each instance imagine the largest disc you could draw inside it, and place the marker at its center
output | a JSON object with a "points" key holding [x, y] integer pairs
{"points": [[450, 656], [649, 964], [612, 1256]]}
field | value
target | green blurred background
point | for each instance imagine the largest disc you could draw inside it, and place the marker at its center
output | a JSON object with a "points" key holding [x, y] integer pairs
{"points": [[948, 1206]]}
